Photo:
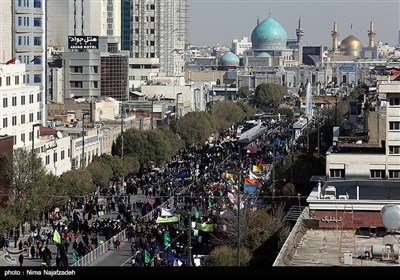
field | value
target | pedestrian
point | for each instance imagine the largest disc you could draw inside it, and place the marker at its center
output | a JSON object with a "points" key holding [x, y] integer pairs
{"points": [[21, 259]]}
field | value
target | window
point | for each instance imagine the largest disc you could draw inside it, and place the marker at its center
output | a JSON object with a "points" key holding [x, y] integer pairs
{"points": [[37, 78], [137, 19], [76, 69], [5, 101], [55, 157], [394, 125], [377, 174], [8, 81], [143, 78], [394, 174], [23, 137], [95, 84], [16, 80], [37, 41], [47, 159], [19, 22], [22, 119], [23, 100], [14, 101], [76, 84], [14, 120], [31, 99], [38, 97], [151, 19], [394, 150], [30, 136], [30, 117], [0, 82], [37, 60], [152, 31], [37, 3], [39, 116], [20, 41], [37, 22], [152, 43], [95, 69], [152, 7], [394, 101], [62, 155], [5, 123], [336, 173]]}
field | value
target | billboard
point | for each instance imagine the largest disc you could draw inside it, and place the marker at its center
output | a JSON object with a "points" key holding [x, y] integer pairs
{"points": [[83, 42]]}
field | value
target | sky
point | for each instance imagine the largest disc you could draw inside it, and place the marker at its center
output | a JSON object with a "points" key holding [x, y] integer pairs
{"points": [[221, 21]]}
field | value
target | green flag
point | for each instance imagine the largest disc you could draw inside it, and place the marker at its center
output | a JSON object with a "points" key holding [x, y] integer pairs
{"points": [[146, 256], [221, 192], [166, 239], [196, 213], [139, 212], [172, 219], [205, 227], [56, 237], [209, 203], [74, 255], [97, 239], [180, 225]]}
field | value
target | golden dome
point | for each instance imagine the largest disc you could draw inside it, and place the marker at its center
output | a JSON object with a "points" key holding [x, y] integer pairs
{"points": [[350, 46]]}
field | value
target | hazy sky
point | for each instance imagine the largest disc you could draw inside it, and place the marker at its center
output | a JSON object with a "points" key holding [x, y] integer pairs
{"points": [[220, 21]]}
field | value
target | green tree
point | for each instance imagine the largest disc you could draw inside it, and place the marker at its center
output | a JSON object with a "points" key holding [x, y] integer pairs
{"points": [[227, 113], [116, 164], [244, 92], [101, 172], [7, 220], [195, 128], [269, 95], [227, 256], [132, 164], [77, 182]]}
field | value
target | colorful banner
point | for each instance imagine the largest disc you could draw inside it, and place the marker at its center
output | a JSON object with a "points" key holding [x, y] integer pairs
{"points": [[205, 227], [172, 219]]}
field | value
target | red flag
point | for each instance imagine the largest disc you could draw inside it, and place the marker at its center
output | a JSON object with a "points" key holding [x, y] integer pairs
{"points": [[11, 61], [149, 201]]}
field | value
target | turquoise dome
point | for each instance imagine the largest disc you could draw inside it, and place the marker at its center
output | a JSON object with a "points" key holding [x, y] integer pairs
{"points": [[263, 54], [229, 59], [269, 35]]}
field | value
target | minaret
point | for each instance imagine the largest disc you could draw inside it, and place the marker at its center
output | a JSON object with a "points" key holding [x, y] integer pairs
{"points": [[258, 20], [300, 35], [335, 36], [371, 34]]}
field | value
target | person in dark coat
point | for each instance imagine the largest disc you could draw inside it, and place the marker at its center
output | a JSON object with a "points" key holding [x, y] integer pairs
{"points": [[21, 259]]}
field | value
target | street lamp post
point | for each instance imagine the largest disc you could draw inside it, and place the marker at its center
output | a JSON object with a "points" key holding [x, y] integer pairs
{"points": [[122, 131], [83, 160], [152, 113]]}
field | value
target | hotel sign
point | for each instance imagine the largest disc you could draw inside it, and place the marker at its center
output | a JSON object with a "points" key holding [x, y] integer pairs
{"points": [[83, 42]]}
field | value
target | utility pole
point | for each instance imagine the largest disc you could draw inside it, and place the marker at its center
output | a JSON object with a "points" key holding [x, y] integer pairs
{"points": [[273, 172], [190, 237], [122, 132]]}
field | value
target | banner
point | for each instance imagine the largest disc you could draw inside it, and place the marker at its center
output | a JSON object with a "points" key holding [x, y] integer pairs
{"points": [[250, 188], [172, 219], [165, 212], [56, 237], [172, 257], [205, 227], [253, 175], [251, 181]]}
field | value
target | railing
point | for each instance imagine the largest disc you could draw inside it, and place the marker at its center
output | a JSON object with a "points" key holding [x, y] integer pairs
{"points": [[108, 244]]}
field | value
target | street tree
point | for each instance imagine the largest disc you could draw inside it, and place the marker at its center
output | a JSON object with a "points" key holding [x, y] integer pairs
{"points": [[269, 95], [227, 113], [100, 171], [227, 256]]}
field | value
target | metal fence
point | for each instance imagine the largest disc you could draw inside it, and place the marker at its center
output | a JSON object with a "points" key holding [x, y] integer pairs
{"points": [[109, 244]]}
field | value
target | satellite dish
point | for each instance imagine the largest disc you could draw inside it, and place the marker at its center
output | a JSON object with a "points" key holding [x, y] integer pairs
{"points": [[390, 215], [59, 135]]}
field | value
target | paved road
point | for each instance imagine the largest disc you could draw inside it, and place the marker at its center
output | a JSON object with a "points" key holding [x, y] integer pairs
{"points": [[10, 257]]}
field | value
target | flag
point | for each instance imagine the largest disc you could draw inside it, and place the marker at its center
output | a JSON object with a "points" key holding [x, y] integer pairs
{"points": [[11, 61], [250, 188], [166, 212], [171, 256], [146, 256], [230, 176], [205, 227], [166, 239], [97, 239], [172, 219], [149, 201], [196, 213], [251, 181], [209, 203], [74, 255], [255, 168], [56, 237], [253, 175]]}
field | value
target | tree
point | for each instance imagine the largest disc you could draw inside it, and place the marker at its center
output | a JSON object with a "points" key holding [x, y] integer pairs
{"points": [[101, 172], [116, 164], [227, 256], [132, 164], [255, 226], [27, 175], [227, 113], [7, 220], [244, 92], [195, 128], [269, 95], [77, 182]]}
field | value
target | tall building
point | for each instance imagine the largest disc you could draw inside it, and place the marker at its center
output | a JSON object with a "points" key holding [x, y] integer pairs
{"points": [[82, 18], [158, 29], [6, 41]]}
